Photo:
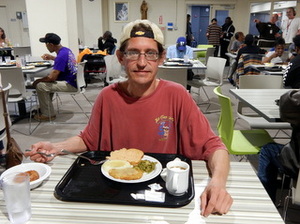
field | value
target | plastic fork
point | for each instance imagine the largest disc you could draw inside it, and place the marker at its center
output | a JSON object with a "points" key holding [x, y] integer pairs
{"points": [[93, 162]]}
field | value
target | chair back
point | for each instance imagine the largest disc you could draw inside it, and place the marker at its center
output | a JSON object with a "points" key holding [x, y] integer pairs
{"points": [[80, 76], [263, 43], [114, 70], [202, 54], [2, 120], [226, 122], [15, 77], [209, 53], [260, 82], [296, 193], [215, 69]]}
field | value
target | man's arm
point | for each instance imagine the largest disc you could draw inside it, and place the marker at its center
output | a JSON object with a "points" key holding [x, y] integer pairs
{"points": [[74, 144], [215, 198], [49, 78]]}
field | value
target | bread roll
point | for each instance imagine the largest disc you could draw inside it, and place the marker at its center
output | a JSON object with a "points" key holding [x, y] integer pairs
{"points": [[33, 175], [133, 156]]}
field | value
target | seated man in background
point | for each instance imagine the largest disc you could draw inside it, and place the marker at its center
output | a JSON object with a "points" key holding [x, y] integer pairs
{"points": [[291, 77], [276, 56], [270, 164], [238, 42], [153, 115], [107, 42], [181, 50], [62, 77]]}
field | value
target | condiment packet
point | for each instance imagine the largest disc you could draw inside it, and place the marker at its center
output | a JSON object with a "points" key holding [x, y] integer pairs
{"points": [[156, 196], [151, 195]]}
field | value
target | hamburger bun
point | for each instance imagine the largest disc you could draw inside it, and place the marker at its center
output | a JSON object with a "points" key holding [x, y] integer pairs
{"points": [[133, 156]]}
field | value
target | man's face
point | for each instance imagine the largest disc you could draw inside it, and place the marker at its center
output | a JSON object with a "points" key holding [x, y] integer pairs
{"points": [[290, 13], [274, 18], [141, 71], [279, 49], [50, 47]]}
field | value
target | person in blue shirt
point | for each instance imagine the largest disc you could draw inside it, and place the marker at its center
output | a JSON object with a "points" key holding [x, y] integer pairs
{"points": [[179, 50], [62, 77]]}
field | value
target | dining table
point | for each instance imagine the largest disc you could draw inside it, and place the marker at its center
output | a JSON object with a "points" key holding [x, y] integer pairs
{"points": [[270, 70], [251, 202], [262, 101], [178, 72]]}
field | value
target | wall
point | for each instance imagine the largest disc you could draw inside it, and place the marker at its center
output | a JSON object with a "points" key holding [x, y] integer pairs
{"points": [[88, 20], [15, 32], [55, 16], [168, 10]]}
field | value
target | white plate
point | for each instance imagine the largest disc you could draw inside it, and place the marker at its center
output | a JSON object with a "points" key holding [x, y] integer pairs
{"points": [[43, 170], [145, 177]]}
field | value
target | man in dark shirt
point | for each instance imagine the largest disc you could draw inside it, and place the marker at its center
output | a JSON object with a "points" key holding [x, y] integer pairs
{"points": [[291, 76], [250, 48], [188, 33], [269, 30]]}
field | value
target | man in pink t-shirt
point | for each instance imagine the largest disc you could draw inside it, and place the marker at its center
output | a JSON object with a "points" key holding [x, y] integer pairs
{"points": [[150, 114]]}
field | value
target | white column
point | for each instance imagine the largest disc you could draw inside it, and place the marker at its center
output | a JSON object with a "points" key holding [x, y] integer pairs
{"points": [[55, 16]]}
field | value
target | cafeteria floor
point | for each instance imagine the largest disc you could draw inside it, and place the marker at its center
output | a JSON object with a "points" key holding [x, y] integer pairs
{"points": [[71, 120]]}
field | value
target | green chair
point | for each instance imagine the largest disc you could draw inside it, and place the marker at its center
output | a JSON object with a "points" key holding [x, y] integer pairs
{"points": [[202, 54], [238, 142]]}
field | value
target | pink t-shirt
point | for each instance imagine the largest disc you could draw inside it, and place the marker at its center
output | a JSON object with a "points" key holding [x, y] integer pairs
{"points": [[166, 121]]}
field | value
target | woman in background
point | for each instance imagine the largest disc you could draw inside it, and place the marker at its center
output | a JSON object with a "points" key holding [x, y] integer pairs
{"points": [[3, 40]]}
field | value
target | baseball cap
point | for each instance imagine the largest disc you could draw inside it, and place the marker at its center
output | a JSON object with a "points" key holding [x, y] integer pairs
{"points": [[129, 31], [181, 43], [51, 38]]}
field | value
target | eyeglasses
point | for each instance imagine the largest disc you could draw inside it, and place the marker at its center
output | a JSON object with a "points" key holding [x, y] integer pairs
{"points": [[134, 55]]}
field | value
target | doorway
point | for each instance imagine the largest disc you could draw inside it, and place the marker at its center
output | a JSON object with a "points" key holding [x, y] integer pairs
{"points": [[200, 21], [221, 16]]}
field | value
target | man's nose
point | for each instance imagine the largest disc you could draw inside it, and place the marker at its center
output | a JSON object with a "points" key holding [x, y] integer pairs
{"points": [[142, 61]]}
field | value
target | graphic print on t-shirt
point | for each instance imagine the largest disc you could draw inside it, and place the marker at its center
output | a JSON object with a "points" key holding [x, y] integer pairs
{"points": [[165, 124]]}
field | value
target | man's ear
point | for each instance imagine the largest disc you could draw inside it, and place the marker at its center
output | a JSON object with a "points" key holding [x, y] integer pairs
{"points": [[120, 56], [162, 57]]}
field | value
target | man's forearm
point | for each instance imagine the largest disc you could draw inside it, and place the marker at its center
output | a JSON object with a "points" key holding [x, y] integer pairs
{"points": [[218, 165]]}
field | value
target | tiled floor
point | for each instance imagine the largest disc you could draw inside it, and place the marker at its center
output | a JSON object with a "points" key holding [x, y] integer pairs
{"points": [[71, 120]]}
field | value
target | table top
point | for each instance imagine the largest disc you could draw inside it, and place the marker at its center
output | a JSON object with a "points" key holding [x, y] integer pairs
{"points": [[199, 49], [262, 101], [251, 202], [6, 48], [196, 65], [262, 69]]}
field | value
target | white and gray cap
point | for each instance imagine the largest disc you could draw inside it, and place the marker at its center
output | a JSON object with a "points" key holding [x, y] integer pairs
{"points": [[129, 32]]}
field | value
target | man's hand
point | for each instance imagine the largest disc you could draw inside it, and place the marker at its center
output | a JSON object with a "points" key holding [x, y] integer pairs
{"points": [[47, 57], [215, 200], [45, 147]]}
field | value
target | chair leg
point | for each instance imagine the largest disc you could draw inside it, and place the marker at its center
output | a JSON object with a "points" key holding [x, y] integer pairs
{"points": [[287, 201], [281, 190]]}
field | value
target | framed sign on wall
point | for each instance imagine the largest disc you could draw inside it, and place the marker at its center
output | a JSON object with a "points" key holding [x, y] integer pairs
{"points": [[121, 11]]}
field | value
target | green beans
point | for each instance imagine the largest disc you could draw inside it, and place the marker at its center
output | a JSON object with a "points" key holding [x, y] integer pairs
{"points": [[146, 166]]}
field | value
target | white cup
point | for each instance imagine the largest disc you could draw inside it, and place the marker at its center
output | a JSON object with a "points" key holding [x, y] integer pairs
{"points": [[185, 58], [7, 60], [0, 60], [177, 180], [23, 63], [16, 192]]}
